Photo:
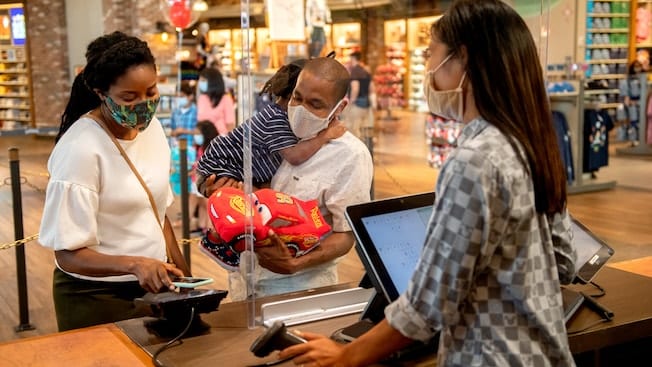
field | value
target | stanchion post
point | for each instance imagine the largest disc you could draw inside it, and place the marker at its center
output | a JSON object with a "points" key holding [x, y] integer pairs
{"points": [[185, 215], [21, 271], [367, 133]]}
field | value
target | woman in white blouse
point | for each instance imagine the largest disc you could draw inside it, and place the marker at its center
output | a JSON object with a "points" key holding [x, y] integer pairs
{"points": [[110, 246]]}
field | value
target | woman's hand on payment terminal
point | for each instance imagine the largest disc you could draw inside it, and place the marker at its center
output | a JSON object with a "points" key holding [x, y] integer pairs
{"points": [[155, 276]]}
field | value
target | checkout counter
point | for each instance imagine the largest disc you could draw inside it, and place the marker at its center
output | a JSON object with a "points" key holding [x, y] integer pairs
{"points": [[626, 340]]}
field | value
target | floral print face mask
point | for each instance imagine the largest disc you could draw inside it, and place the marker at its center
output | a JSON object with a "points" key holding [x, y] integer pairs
{"points": [[132, 115]]}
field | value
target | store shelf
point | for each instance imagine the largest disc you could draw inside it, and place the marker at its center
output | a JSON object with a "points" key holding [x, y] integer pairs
{"points": [[417, 67], [608, 45], [14, 86], [600, 91], [608, 76], [607, 30], [609, 105], [13, 71], [21, 119], [607, 61], [564, 94], [608, 15]]}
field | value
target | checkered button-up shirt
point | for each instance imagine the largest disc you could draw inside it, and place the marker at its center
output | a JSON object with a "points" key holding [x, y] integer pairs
{"points": [[489, 273]]}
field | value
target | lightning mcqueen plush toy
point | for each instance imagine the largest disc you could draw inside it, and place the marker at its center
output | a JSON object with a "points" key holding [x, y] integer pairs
{"points": [[298, 223]]}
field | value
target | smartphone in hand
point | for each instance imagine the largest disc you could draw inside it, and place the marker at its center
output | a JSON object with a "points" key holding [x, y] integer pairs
{"points": [[190, 282]]}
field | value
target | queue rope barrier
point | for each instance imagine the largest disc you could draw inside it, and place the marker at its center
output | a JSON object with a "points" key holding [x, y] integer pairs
{"points": [[23, 181], [23, 241], [29, 172]]}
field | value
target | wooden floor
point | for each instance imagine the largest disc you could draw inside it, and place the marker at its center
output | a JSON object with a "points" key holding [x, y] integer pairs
{"points": [[622, 216]]}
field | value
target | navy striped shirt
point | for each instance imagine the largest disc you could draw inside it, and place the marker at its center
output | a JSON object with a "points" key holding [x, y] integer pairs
{"points": [[270, 133]]}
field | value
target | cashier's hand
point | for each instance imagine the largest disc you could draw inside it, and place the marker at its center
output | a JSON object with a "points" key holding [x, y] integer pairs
{"points": [[318, 351], [154, 275], [276, 257]]}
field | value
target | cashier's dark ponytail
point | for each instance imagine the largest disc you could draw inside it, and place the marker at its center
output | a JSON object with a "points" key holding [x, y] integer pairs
{"points": [[107, 58]]}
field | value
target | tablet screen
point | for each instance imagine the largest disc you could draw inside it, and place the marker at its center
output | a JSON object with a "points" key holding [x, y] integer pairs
{"points": [[398, 238]]}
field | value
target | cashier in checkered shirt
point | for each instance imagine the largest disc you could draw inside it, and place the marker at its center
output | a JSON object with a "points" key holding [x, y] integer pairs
{"points": [[498, 244]]}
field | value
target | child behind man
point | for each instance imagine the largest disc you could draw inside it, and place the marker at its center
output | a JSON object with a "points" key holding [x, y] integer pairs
{"points": [[184, 116]]}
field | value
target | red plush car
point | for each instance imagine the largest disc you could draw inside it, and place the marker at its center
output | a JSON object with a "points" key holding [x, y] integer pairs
{"points": [[298, 223]]}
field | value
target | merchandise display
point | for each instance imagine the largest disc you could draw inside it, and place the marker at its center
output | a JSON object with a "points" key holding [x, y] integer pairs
{"points": [[244, 59], [571, 117], [388, 80], [607, 41], [597, 124], [344, 40], [418, 39], [396, 44], [15, 97], [396, 55], [220, 41], [417, 74], [226, 49], [564, 140], [441, 137]]}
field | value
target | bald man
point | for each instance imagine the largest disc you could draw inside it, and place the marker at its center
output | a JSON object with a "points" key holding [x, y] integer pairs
{"points": [[338, 175]]}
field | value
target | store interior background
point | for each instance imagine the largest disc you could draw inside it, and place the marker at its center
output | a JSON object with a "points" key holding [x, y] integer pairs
{"points": [[58, 32]]}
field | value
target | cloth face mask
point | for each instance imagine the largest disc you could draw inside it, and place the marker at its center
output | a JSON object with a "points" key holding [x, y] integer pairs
{"points": [[448, 104], [132, 115]]}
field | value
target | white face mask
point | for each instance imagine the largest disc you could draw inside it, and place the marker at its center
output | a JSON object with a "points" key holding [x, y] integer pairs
{"points": [[202, 86], [199, 139], [448, 104], [182, 102], [305, 124]]}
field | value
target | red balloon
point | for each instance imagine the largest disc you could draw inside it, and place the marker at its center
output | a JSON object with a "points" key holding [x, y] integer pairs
{"points": [[180, 14]]}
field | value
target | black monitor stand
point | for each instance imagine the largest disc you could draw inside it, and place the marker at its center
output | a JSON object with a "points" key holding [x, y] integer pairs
{"points": [[375, 309], [373, 313]]}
